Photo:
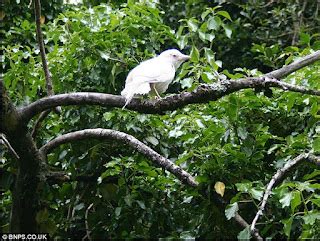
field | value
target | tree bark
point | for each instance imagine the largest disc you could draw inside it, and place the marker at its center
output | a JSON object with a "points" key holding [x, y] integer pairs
{"points": [[25, 195]]}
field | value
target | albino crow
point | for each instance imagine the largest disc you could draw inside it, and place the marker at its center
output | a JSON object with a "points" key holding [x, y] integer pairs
{"points": [[153, 75]]}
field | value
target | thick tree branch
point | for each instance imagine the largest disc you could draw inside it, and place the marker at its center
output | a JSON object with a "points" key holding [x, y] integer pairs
{"points": [[136, 144], [277, 176], [203, 94], [98, 133], [25, 194]]}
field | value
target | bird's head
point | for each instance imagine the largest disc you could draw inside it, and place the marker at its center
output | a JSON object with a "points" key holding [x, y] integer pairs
{"points": [[175, 57]]}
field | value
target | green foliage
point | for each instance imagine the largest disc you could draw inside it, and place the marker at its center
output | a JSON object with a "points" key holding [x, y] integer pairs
{"points": [[240, 140]]}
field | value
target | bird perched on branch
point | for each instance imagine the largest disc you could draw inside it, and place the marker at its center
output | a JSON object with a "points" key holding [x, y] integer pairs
{"points": [[153, 75]]}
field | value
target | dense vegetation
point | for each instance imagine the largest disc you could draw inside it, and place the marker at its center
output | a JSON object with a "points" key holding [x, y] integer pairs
{"points": [[240, 140]]}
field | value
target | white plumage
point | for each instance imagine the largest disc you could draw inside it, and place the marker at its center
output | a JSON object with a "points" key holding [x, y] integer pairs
{"points": [[153, 75]]}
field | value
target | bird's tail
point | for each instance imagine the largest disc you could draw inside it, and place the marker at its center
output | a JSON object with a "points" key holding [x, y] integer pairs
{"points": [[128, 95], [133, 89]]}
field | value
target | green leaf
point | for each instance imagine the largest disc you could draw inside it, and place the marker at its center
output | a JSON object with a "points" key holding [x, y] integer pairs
{"points": [[242, 132], [118, 211], [192, 24], [186, 82], [245, 234], [287, 225], [182, 41], [224, 14], [141, 204], [231, 210], [311, 175], [286, 199], [316, 144], [205, 14], [256, 194], [128, 200], [214, 23], [79, 206], [194, 54], [227, 30], [63, 154], [108, 115], [316, 201], [305, 38], [310, 218], [296, 200], [187, 199], [151, 139]]}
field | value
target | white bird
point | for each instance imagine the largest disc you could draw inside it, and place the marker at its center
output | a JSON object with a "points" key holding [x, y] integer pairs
{"points": [[153, 75]]}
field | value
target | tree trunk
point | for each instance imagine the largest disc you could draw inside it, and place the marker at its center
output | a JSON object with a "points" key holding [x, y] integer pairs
{"points": [[25, 196]]}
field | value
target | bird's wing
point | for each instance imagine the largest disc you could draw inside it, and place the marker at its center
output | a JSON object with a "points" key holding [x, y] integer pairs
{"points": [[152, 71]]}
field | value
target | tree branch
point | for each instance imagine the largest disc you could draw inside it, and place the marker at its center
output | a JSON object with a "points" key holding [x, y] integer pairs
{"points": [[244, 224], [88, 231], [133, 142], [37, 125], [7, 144], [99, 133], [277, 176], [47, 73], [288, 69], [204, 93]]}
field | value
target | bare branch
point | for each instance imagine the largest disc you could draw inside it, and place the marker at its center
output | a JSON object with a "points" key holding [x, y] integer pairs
{"points": [[37, 125], [288, 69], [203, 94], [277, 176], [47, 74], [7, 144], [88, 231], [98, 133]]}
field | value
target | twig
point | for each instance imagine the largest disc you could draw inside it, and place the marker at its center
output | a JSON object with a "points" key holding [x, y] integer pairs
{"points": [[37, 125], [278, 175], [88, 231], [7, 144], [131, 141]]}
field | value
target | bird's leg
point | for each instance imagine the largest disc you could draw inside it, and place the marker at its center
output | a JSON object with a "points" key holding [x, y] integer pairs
{"points": [[153, 87]]}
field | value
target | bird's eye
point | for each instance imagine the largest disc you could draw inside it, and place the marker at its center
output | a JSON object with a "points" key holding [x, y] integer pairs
{"points": [[174, 56]]}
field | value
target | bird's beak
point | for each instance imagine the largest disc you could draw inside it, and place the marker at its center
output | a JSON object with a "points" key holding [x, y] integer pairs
{"points": [[185, 57]]}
